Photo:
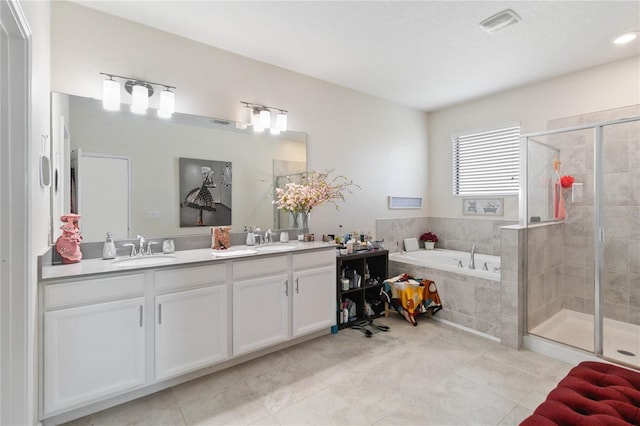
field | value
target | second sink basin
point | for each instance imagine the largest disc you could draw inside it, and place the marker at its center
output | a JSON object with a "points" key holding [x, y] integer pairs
{"points": [[232, 253], [275, 247], [144, 261]]}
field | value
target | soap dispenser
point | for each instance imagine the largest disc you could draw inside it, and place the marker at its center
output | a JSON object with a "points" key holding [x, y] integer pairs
{"points": [[251, 237], [109, 248]]}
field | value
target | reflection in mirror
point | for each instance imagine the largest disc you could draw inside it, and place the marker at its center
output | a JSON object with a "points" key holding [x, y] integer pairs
{"points": [[148, 182]]}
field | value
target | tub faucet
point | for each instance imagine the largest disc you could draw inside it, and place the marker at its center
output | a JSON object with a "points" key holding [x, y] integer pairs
{"points": [[472, 265]]}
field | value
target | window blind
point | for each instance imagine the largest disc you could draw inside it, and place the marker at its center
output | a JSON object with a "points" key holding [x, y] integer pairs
{"points": [[486, 163]]}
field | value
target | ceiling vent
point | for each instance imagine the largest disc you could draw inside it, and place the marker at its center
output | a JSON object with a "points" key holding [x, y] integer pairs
{"points": [[500, 21]]}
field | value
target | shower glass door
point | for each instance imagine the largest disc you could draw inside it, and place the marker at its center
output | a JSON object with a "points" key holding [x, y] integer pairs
{"points": [[620, 245], [560, 236], [583, 234]]}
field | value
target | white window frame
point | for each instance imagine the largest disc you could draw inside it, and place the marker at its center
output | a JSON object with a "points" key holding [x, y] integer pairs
{"points": [[493, 171]]}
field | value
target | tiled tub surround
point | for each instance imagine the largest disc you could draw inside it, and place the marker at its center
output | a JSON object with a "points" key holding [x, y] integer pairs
{"points": [[467, 300], [453, 234], [491, 307], [621, 207]]}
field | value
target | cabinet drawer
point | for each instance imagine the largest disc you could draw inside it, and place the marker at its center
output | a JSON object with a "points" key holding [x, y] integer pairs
{"points": [[314, 259], [93, 290], [260, 267], [189, 277]]}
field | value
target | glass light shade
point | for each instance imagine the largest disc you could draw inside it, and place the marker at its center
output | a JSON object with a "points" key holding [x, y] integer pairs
{"points": [[245, 116], [167, 104], [139, 99], [265, 118], [256, 121], [282, 122], [111, 95]]}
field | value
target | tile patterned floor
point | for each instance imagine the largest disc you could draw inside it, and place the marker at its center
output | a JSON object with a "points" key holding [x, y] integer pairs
{"points": [[432, 374]]}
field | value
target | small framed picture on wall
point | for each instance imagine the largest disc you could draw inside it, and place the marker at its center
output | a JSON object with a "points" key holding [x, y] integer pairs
{"points": [[483, 207]]}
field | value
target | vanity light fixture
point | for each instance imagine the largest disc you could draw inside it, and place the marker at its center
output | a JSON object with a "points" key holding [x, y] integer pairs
{"points": [[262, 117], [140, 92]]}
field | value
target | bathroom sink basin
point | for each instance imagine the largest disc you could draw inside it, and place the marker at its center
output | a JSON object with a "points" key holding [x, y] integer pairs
{"points": [[233, 253], [275, 248], [143, 261]]}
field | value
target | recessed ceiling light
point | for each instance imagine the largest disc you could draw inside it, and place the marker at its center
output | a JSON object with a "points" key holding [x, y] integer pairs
{"points": [[626, 38]]}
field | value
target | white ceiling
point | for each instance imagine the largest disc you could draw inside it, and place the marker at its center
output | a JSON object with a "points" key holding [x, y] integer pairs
{"points": [[422, 54]]}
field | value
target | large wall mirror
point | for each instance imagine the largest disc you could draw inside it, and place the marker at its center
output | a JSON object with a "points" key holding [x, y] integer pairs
{"points": [[121, 171]]}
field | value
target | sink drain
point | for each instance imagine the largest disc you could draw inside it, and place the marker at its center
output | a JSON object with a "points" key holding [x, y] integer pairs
{"points": [[627, 353]]}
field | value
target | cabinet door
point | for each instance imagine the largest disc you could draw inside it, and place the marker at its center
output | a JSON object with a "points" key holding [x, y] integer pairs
{"points": [[92, 352], [314, 300], [260, 313], [191, 330]]}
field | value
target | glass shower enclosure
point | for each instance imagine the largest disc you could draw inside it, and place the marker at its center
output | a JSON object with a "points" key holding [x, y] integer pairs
{"points": [[580, 207]]}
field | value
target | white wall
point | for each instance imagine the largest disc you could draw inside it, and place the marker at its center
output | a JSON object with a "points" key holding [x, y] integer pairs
{"points": [[378, 144], [605, 87]]}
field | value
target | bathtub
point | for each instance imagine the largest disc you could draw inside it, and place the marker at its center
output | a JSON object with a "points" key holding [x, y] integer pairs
{"points": [[470, 297], [452, 261]]}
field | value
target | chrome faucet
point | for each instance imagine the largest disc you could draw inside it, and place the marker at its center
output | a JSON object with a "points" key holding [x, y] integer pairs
{"points": [[133, 251], [472, 265], [268, 236], [141, 251], [149, 244]]}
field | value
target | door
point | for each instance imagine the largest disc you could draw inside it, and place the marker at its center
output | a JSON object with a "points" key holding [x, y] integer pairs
{"points": [[314, 300], [92, 352], [16, 294], [103, 189], [619, 211], [260, 313], [191, 330]]}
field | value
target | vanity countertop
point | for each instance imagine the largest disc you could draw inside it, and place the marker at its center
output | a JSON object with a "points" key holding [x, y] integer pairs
{"points": [[183, 257]]}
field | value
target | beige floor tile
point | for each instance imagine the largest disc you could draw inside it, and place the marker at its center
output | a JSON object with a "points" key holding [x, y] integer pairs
{"points": [[428, 374], [283, 386], [501, 378], [237, 405], [516, 416], [160, 408], [208, 386], [459, 400]]}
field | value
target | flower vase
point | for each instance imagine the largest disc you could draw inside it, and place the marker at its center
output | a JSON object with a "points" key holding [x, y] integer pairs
{"points": [[429, 245], [295, 216], [303, 224]]}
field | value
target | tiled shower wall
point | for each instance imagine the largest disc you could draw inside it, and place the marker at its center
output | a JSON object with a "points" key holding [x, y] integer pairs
{"points": [[453, 234], [545, 266], [621, 207]]}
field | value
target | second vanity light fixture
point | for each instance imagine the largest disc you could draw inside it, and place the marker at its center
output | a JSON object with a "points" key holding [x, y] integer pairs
{"points": [[140, 91], [262, 117]]}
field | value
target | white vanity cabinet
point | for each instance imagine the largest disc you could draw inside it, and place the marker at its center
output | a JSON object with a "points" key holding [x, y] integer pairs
{"points": [[110, 336], [190, 324], [313, 292], [94, 340], [260, 303]]}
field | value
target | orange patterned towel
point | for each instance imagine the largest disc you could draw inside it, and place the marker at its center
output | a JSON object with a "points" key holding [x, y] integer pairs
{"points": [[412, 296]]}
